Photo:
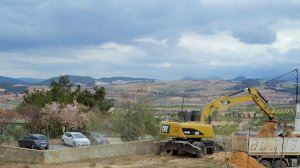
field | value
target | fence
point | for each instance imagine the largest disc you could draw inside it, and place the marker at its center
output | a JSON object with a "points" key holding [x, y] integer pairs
{"points": [[15, 154]]}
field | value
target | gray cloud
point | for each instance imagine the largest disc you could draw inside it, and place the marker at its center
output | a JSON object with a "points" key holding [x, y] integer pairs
{"points": [[35, 24], [255, 35], [46, 38]]}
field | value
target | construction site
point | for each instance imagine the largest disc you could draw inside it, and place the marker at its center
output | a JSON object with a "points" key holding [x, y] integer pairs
{"points": [[149, 84], [187, 140]]}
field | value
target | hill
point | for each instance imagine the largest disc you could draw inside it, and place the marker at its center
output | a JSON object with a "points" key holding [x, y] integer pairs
{"points": [[30, 80], [125, 79], [239, 79], [188, 78], [8, 80], [73, 79]]}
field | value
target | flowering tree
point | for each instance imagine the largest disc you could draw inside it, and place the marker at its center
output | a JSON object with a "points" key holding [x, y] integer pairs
{"points": [[32, 115], [52, 118], [6, 118], [75, 116], [56, 116]]}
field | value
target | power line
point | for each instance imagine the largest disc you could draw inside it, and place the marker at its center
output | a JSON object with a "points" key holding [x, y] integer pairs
{"points": [[271, 80], [234, 92]]}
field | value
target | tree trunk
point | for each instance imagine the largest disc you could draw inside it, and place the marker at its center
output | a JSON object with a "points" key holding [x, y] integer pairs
{"points": [[1, 134]]}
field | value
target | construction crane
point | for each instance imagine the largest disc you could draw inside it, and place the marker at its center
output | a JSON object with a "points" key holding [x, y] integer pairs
{"points": [[196, 137]]}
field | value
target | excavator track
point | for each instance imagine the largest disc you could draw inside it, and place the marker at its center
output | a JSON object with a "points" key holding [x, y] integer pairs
{"points": [[197, 148]]}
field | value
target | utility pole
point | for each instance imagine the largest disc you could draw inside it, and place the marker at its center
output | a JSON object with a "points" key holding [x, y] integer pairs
{"points": [[297, 85], [165, 102], [297, 118], [182, 102]]}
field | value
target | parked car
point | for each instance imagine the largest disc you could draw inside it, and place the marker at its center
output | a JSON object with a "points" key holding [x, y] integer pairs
{"points": [[96, 138], [75, 139], [34, 141]]}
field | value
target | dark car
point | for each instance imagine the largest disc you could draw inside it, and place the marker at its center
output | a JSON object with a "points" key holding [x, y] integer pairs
{"points": [[34, 141], [96, 138]]}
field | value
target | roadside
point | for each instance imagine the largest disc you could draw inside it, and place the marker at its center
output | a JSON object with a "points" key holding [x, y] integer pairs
{"points": [[148, 161]]}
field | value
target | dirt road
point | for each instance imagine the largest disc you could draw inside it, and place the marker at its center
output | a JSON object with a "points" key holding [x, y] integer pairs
{"points": [[137, 162]]}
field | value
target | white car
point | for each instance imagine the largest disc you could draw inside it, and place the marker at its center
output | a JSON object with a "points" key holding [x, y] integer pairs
{"points": [[75, 139]]}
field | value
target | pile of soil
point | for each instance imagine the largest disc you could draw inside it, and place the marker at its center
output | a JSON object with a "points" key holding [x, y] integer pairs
{"points": [[268, 131], [240, 160], [220, 156]]}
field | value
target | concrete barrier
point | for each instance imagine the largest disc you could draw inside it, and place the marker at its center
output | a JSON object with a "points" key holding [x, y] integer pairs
{"points": [[22, 155], [15, 154]]}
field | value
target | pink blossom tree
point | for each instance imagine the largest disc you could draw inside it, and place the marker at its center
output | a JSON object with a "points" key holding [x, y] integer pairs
{"points": [[73, 117], [52, 118]]}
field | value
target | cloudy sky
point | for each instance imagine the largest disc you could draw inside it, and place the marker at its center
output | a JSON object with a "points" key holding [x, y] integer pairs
{"points": [[164, 39]]}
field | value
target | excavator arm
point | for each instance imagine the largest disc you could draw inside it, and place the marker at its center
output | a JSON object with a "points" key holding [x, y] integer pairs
{"points": [[197, 137], [224, 102]]}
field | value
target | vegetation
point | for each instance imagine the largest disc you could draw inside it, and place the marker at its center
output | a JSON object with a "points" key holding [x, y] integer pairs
{"points": [[6, 118], [57, 117], [134, 119], [227, 129], [51, 112]]}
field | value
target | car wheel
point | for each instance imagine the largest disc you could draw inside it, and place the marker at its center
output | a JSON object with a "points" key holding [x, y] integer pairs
{"points": [[20, 144], [63, 142], [279, 164], [173, 152], [74, 144]]}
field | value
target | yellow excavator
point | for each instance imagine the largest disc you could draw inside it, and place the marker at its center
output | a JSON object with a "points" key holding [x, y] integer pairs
{"points": [[196, 137]]}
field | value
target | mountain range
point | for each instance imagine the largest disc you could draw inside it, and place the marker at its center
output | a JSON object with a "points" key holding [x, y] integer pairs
{"points": [[91, 81], [30, 80], [73, 79], [4, 79]]}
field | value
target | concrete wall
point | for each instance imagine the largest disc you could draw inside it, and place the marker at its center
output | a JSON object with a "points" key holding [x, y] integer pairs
{"points": [[15, 154]]}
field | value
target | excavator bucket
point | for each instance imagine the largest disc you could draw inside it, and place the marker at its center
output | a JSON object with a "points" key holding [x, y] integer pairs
{"points": [[278, 126], [280, 129]]}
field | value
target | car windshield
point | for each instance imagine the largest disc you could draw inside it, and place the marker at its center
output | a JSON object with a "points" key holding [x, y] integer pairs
{"points": [[97, 135], [42, 138], [78, 136]]}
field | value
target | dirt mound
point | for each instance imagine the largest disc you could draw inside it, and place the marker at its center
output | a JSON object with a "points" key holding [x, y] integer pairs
{"points": [[220, 156], [269, 130], [240, 160]]}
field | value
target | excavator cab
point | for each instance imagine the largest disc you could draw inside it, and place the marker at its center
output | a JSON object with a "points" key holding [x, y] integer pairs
{"points": [[188, 115]]}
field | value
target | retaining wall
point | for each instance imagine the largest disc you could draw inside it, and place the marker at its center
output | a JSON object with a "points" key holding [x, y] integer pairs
{"points": [[15, 154], [23, 155]]}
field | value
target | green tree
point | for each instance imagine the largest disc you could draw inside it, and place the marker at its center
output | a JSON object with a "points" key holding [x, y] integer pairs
{"points": [[99, 93], [135, 118], [61, 93], [38, 99], [61, 90]]}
